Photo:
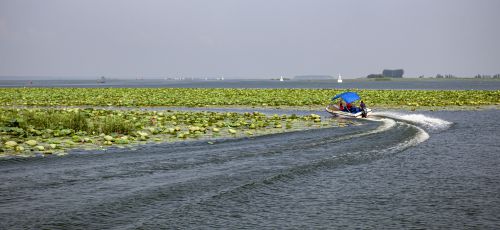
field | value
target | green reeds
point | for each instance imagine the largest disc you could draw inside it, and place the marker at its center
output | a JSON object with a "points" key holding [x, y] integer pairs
{"points": [[111, 124], [75, 120]]}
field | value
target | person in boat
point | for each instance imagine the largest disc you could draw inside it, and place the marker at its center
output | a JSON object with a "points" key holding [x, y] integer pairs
{"points": [[349, 107], [362, 105], [341, 106], [363, 109]]}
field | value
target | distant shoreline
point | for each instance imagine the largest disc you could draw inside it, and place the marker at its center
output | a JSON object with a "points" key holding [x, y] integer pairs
{"points": [[374, 84], [289, 78]]}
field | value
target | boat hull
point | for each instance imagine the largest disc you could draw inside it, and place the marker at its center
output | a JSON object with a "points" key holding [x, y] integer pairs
{"points": [[335, 111]]}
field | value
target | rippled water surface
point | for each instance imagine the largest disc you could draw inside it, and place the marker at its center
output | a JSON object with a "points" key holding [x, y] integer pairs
{"points": [[395, 170]]}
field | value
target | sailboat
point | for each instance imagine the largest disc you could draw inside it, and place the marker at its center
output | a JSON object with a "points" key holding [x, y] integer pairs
{"points": [[339, 80], [281, 78]]}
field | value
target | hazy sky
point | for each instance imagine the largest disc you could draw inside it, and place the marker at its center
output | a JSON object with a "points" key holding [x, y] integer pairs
{"points": [[248, 38]]}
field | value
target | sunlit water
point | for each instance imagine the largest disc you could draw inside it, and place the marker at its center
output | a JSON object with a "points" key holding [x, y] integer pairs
{"points": [[395, 170]]}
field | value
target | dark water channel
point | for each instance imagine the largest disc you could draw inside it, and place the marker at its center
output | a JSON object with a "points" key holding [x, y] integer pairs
{"points": [[398, 170]]}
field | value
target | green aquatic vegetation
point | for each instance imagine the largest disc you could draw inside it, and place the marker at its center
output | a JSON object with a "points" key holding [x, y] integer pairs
{"points": [[110, 124], [47, 119], [34, 134], [237, 97]]}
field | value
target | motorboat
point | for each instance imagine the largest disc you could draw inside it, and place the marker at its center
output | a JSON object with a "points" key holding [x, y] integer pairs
{"points": [[347, 97]]}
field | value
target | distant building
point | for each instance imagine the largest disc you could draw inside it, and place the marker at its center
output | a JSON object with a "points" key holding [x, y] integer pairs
{"points": [[396, 73]]}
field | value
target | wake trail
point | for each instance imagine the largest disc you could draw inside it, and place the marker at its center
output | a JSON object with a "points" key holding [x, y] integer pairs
{"points": [[421, 120]]}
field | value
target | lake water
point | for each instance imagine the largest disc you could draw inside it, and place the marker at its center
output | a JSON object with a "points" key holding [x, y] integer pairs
{"points": [[397, 170], [433, 84]]}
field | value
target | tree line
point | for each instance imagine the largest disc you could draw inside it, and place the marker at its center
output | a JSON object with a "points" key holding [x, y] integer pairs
{"points": [[479, 76]]}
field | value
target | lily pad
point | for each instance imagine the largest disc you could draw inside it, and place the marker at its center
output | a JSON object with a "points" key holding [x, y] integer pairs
{"points": [[10, 144]]}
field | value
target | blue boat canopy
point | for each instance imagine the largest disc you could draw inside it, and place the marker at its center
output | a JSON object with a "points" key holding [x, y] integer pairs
{"points": [[348, 97]]}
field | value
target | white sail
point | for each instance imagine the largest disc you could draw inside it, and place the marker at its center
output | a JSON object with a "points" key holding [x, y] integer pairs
{"points": [[281, 78], [339, 80]]}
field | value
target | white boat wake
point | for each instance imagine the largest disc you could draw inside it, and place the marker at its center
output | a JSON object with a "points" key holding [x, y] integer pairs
{"points": [[422, 120]]}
